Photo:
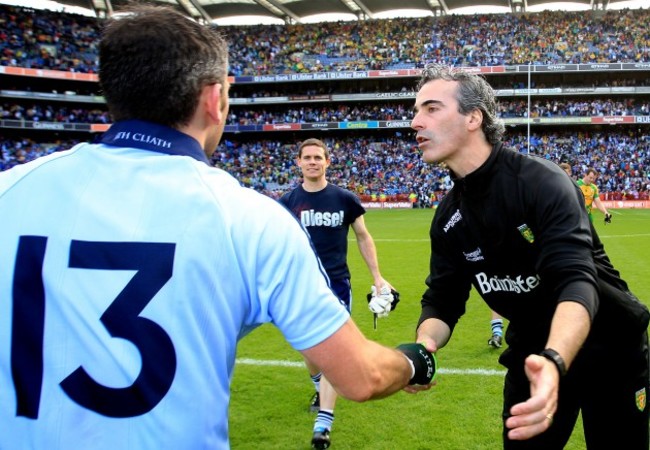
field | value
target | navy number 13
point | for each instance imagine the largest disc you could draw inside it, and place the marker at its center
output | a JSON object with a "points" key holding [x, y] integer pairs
{"points": [[153, 263]]}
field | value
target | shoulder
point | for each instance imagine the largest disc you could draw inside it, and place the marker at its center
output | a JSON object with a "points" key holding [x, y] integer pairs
{"points": [[535, 171], [9, 177], [287, 196], [333, 189]]}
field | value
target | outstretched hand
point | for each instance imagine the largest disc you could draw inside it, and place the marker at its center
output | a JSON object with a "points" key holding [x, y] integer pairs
{"points": [[431, 346], [535, 415]]}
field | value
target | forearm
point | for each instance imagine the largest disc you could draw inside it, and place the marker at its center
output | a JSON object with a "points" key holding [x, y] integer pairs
{"points": [[569, 330], [435, 330], [360, 369], [600, 206], [369, 254]]}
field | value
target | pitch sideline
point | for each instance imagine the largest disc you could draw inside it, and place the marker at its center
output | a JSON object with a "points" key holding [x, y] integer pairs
{"points": [[299, 364], [602, 236]]}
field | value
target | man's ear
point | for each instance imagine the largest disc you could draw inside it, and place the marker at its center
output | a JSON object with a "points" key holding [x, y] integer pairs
{"points": [[214, 101], [475, 119]]}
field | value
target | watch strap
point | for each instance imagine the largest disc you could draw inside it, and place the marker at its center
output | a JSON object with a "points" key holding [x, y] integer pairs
{"points": [[556, 359]]}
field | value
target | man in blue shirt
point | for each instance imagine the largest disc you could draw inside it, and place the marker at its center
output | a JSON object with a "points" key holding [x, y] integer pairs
{"points": [[131, 267]]}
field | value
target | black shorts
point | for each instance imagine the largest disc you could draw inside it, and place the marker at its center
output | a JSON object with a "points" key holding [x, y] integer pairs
{"points": [[343, 291], [608, 384]]}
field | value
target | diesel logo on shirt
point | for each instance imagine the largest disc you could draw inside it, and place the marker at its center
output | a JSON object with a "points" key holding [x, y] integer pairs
{"points": [[311, 218]]}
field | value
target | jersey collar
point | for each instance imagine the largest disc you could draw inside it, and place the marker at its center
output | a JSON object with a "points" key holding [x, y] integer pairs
{"points": [[153, 137], [478, 180]]}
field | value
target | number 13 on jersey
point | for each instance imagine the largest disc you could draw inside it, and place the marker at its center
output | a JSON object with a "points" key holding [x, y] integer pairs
{"points": [[153, 266]]}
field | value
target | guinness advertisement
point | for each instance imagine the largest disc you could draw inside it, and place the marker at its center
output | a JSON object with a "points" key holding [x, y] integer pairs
{"points": [[395, 124]]}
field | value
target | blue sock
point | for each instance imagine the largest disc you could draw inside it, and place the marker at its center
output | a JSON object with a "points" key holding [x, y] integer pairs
{"points": [[497, 327], [316, 380], [324, 419]]}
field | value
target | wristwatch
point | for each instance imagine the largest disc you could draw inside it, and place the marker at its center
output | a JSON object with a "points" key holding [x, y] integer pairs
{"points": [[556, 359]]}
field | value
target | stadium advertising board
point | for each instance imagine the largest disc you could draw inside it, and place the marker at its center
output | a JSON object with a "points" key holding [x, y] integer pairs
{"points": [[612, 119], [387, 205], [281, 127], [373, 124], [626, 204], [359, 125], [397, 73], [395, 124], [26, 124], [320, 126]]}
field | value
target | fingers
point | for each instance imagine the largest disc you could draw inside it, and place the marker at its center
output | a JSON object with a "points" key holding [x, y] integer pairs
{"points": [[535, 415], [527, 426], [428, 343], [415, 388], [380, 306]]}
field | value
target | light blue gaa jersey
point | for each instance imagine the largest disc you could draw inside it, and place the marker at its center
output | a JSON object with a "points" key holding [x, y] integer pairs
{"points": [[127, 277]]}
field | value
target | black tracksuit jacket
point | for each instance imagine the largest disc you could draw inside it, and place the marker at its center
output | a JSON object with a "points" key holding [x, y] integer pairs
{"points": [[517, 230]]}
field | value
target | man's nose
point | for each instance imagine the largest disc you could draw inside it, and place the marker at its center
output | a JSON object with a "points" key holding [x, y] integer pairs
{"points": [[416, 123]]}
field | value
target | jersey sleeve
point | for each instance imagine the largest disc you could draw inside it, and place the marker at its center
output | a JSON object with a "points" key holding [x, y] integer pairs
{"points": [[563, 235], [448, 286], [356, 207], [289, 285]]}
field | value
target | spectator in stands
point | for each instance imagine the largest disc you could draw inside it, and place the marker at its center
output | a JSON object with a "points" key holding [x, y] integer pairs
{"points": [[567, 168], [141, 216], [535, 258], [49, 40]]}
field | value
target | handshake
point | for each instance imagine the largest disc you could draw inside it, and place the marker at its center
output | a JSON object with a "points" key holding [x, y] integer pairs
{"points": [[382, 302]]}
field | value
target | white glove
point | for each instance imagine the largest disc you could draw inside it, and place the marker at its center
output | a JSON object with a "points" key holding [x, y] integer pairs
{"points": [[381, 304]]}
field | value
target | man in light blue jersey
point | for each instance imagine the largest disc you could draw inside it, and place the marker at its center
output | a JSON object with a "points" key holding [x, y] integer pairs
{"points": [[130, 267]]}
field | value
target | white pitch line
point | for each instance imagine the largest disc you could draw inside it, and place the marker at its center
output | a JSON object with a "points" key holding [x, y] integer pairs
{"points": [[262, 362], [602, 236], [442, 370], [624, 235]]}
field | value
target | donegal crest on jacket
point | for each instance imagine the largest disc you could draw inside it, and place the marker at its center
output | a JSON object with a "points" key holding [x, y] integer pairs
{"points": [[640, 399], [526, 232]]}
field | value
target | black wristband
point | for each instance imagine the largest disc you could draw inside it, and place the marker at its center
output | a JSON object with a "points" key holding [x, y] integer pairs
{"points": [[556, 359], [424, 363]]}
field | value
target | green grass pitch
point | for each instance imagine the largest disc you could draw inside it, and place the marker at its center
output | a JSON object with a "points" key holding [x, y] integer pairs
{"points": [[269, 402]]}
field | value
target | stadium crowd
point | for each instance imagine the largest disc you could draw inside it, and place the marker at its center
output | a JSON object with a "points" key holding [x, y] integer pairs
{"points": [[346, 112], [378, 165], [52, 113], [374, 86], [50, 40], [477, 40], [392, 167]]}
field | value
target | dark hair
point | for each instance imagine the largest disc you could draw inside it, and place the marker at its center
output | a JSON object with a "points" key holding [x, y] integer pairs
{"points": [[473, 93], [154, 61], [314, 142]]}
